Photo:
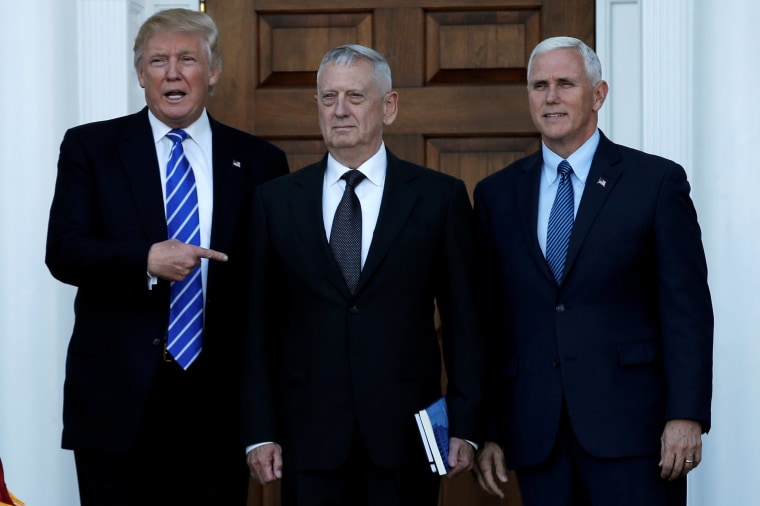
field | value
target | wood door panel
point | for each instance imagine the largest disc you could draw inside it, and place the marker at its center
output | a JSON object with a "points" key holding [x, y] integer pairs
{"points": [[459, 67], [291, 46], [438, 110], [479, 47], [453, 110], [471, 159]]}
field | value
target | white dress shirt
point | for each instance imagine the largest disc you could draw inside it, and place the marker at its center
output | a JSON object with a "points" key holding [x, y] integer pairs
{"points": [[369, 191], [198, 150]]}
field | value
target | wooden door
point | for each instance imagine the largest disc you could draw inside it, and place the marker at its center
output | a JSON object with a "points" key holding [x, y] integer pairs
{"points": [[459, 67]]}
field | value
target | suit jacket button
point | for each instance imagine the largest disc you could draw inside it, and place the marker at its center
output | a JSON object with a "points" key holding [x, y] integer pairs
{"points": [[157, 342], [559, 308], [353, 310], [555, 362]]}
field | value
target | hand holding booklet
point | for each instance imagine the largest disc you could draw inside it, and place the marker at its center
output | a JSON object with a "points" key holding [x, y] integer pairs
{"points": [[433, 424]]}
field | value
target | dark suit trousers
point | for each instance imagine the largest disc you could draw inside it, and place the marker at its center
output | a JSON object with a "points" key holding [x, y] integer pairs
{"points": [[359, 482], [573, 477], [180, 457]]}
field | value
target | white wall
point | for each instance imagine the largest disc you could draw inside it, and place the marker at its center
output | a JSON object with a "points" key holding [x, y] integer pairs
{"points": [[682, 76]]}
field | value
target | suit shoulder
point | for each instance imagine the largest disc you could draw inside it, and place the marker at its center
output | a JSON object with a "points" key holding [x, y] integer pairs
{"points": [[242, 137], [411, 170], [301, 176], [638, 155], [107, 126], [645, 164], [507, 174]]}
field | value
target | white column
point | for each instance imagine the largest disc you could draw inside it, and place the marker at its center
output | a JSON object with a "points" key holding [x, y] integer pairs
{"points": [[727, 176], [618, 45], [39, 98], [106, 73], [668, 84]]}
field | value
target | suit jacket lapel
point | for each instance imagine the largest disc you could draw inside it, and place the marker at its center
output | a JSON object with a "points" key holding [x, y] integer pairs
{"points": [[602, 177], [526, 196], [228, 185], [138, 153], [306, 205], [395, 206], [227, 174]]}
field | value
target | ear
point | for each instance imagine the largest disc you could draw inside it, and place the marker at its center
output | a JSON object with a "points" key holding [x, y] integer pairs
{"points": [[213, 76], [390, 108], [600, 94], [140, 73]]}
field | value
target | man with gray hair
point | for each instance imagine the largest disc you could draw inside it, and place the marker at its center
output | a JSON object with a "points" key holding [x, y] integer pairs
{"points": [[351, 255], [599, 318]]}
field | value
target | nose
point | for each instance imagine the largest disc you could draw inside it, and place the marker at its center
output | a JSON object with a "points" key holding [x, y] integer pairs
{"points": [[172, 69], [552, 96], [340, 105]]}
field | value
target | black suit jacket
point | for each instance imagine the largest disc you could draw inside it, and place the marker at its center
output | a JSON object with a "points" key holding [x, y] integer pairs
{"points": [[107, 211], [325, 365], [626, 339]]}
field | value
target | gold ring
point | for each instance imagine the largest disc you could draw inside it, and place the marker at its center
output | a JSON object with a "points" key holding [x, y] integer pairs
{"points": [[689, 461]]}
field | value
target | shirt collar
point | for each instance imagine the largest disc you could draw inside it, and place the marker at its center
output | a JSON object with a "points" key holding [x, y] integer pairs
{"points": [[199, 130], [580, 160], [374, 169]]}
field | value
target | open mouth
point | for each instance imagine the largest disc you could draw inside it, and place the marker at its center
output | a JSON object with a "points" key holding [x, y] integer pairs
{"points": [[175, 95]]}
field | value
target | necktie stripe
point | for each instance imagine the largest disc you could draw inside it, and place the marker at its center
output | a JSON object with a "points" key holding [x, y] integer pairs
{"points": [[183, 223], [185, 326], [181, 194], [185, 293], [182, 231]]}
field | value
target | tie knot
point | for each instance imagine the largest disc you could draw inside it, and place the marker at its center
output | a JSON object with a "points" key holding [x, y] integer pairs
{"points": [[564, 168], [177, 135], [352, 177]]}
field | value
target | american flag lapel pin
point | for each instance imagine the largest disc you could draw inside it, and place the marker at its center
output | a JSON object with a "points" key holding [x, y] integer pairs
{"points": [[236, 163], [601, 182]]}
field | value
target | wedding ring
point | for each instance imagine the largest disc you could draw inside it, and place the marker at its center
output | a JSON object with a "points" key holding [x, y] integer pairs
{"points": [[689, 461]]}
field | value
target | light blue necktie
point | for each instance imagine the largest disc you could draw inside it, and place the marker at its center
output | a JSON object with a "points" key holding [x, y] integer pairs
{"points": [[560, 222], [183, 224]]}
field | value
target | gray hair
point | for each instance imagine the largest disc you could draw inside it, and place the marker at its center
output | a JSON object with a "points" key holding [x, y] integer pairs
{"points": [[181, 21], [350, 53], [590, 59]]}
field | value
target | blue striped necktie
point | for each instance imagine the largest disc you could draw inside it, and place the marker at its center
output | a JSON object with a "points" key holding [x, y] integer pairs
{"points": [[183, 224], [560, 222]]}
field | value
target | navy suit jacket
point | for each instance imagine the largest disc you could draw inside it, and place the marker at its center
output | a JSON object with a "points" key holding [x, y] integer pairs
{"points": [[107, 211], [625, 341], [326, 365]]}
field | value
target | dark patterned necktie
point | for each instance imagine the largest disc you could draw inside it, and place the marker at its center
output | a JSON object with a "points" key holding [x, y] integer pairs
{"points": [[183, 224], [346, 233], [560, 222]]}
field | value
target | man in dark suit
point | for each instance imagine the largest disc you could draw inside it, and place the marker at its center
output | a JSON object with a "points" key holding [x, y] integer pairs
{"points": [[150, 424], [600, 376], [340, 363]]}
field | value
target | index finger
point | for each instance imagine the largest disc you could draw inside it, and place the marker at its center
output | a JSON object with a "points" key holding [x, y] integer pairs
{"points": [[212, 254]]}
